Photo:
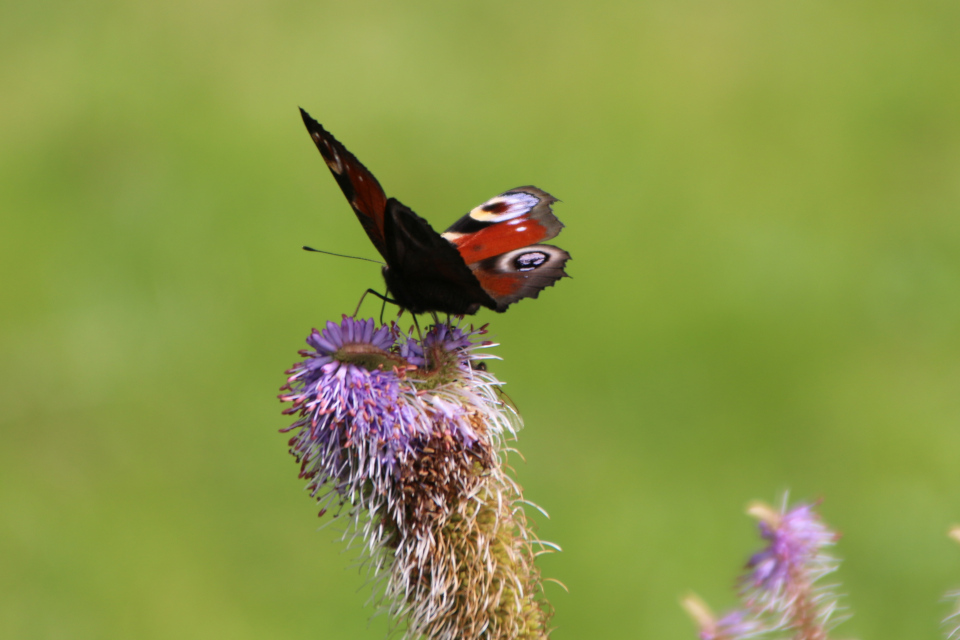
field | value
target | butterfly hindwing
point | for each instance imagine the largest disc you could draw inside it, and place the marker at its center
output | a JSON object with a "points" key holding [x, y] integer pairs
{"points": [[498, 241], [520, 273], [361, 189]]}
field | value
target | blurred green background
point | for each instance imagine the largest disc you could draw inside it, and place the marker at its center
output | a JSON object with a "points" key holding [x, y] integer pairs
{"points": [[761, 201]]}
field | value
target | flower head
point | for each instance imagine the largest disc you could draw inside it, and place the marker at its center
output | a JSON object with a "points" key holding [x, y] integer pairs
{"points": [[781, 578], [408, 435], [440, 343], [779, 591], [353, 424], [796, 540]]}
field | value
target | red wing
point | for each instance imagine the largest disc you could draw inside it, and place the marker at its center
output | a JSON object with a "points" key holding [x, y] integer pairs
{"points": [[361, 189], [521, 273], [515, 219]]}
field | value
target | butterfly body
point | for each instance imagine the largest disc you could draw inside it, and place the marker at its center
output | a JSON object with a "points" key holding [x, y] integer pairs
{"points": [[488, 258], [424, 270]]}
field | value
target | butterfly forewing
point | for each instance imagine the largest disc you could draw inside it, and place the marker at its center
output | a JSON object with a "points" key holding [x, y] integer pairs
{"points": [[361, 189], [512, 220]]}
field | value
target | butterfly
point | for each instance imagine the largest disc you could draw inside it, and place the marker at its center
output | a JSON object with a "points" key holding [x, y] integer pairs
{"points": [[488, 258]]}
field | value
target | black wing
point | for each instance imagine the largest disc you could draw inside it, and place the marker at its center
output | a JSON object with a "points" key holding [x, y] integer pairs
{"points": [[361, 189], [425, 271]]}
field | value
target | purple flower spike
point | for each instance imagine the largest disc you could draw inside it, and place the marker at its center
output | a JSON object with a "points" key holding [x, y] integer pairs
{"points": [[781, 578], [408, 438], [796, 538], [779, 593]]}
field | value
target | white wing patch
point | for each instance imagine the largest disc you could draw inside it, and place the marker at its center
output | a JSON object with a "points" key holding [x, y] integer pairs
{"points": [[334, 162], [505, 207]]}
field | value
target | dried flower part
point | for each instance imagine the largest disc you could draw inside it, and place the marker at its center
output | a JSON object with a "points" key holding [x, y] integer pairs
{"points": [[445, 473], [407, 437], [954, 533], [477, 578]]}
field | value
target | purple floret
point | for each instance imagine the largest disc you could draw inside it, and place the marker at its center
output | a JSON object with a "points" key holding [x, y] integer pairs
{"points": [[794, 544], [352, 424], [449, 338], [358, 416]]}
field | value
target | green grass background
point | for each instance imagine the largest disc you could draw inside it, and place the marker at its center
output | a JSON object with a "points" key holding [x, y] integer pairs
{"points": [[761, 201]]}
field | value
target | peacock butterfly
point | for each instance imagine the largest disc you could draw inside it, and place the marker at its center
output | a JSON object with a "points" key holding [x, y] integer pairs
{"points": [[488, 258]]}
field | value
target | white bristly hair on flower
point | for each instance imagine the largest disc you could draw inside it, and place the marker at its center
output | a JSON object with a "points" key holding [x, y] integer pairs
{"points": [[409, 438], [952, 621]]}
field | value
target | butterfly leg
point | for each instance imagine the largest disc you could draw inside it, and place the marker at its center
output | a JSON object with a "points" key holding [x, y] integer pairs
{"points": [[377, 294], [417, 325], [383, 307]]}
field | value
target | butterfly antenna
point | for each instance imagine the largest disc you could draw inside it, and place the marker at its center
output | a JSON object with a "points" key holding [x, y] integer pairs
{"points": [[340, 255]]}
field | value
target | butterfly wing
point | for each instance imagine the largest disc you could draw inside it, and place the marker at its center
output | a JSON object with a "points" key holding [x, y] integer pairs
{"points": [[499, 241], [487, 258], [521, 273], [426, 272], [516, 218], [361, 189]]}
